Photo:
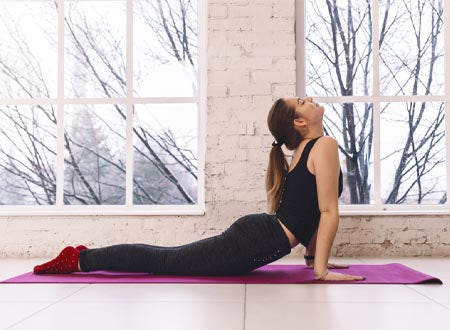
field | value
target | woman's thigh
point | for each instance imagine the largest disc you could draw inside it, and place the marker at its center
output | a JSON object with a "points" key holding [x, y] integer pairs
{"points": [[216, 255], [251, 241]]}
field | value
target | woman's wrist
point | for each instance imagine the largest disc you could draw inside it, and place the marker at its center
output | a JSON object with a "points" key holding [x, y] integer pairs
{"points": [[320, 275], [308, 257]]}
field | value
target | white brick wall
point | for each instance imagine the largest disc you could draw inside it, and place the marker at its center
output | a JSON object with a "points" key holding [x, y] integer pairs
{"points": [[251, 62]]}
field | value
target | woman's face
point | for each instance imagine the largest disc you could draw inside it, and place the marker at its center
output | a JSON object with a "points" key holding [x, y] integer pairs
{"points": [[309, 110]]}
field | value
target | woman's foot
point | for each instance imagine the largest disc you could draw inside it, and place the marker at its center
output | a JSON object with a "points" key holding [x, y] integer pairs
{"points": [[66, 262], [79, 248]]}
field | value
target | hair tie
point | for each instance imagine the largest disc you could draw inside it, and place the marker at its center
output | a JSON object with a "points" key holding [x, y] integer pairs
{"points": [[277, 144]]}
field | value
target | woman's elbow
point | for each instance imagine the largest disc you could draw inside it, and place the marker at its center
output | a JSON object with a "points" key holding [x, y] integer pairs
{"points": [[330, 211]]}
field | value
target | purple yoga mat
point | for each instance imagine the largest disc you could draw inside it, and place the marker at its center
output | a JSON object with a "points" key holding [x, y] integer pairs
{"points": [[393, 273]]}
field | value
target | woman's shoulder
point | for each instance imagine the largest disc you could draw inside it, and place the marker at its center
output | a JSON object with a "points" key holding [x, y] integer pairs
{"points": [[325, 149], [326, 143], [327, 139]]}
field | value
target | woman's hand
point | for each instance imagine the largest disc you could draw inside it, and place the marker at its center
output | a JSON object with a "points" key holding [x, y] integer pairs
{"points": [[331, 276], [310, 264], [329, 265]]}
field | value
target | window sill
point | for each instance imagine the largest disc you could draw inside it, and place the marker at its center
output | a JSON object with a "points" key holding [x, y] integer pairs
{"points": [[181, 210], [393, 211], [98, 210]]}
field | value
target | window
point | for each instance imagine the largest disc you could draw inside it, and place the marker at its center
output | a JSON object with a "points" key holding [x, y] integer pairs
{"points": [[102, 107], [379, 69]]}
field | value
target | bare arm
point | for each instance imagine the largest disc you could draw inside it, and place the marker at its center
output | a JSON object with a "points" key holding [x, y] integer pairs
{"points": [[326, 166], [311, 249], [327, 231]]}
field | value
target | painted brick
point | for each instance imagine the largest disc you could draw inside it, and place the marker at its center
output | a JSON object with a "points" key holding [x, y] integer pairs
{"points": [[230, 142], [361, 237], [250, 128], [406, 235], [215, 169], [217, 63], [250, 142], [262, 62], [283, 10], [272, 24], [230, 24], [216, 38], [262, 11], [275, 76], [217, 90], [217, 11], [444, 237], [229, 76], [258, 156], [247, 36], [225, 50], [283, 89], [283, 64], [230, 2], [284, 38], [250, 89]]}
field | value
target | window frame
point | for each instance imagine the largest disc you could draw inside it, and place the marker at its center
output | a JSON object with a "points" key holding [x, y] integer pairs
{"points": [[378, 208], [128, 208]]}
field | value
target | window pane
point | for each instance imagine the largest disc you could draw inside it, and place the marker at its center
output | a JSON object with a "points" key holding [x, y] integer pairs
{"points": [[28, 52], [94, 154], [165, 154], [27, 154], [413, 169], [165, 48], [94, 63], [338, 48], [352, 126], [411, 47]]}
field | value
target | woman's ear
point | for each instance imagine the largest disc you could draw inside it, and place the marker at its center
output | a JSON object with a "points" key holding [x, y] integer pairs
{"points": [[300, 122]]}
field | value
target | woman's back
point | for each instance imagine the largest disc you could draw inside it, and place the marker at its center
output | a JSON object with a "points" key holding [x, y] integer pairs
{"points": [[298, 208]]}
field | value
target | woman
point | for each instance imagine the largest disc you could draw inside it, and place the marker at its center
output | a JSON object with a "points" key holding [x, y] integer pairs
{"points": [[300, 196]]}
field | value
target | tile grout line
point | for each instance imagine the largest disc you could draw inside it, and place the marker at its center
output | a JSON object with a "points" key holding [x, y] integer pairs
{"points": [[245, 303], [407, 285], [44, 308], [344, 301], [435, 301]]}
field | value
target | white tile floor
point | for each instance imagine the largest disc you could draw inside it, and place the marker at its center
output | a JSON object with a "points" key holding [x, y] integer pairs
{"points": [[228, 306]]}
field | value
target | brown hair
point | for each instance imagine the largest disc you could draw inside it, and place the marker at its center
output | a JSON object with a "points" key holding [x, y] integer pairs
{"points": [[280, 122]]}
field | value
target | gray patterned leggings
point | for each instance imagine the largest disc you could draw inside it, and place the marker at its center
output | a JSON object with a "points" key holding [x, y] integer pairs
{"points": [[250, 242]]}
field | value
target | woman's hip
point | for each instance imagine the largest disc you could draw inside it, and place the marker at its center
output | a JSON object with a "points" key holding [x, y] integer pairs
{"points": [[259, 234]]}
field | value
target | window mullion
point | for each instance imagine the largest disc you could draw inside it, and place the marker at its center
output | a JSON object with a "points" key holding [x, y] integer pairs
{"points": [[129, 105], [376, 105], [300, 50], [60, 110], [447, 93]]}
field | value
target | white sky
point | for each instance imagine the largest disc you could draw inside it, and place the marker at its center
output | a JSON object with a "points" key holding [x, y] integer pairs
{"points": [[171, 79]]}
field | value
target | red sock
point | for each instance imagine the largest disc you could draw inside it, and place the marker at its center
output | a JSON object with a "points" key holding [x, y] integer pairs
{"points": [[81, 247], [66, 262]]}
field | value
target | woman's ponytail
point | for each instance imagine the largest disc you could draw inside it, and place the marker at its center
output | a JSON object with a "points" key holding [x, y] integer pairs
{"points": [[280, 123], [276, 171]]}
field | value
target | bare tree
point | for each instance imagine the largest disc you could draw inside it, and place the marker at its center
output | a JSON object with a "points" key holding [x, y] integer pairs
{"points": [[345, 65], [100, 65]]}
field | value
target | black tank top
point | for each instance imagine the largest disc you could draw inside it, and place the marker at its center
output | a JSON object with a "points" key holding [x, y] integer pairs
{"points": [[298, 208]]}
